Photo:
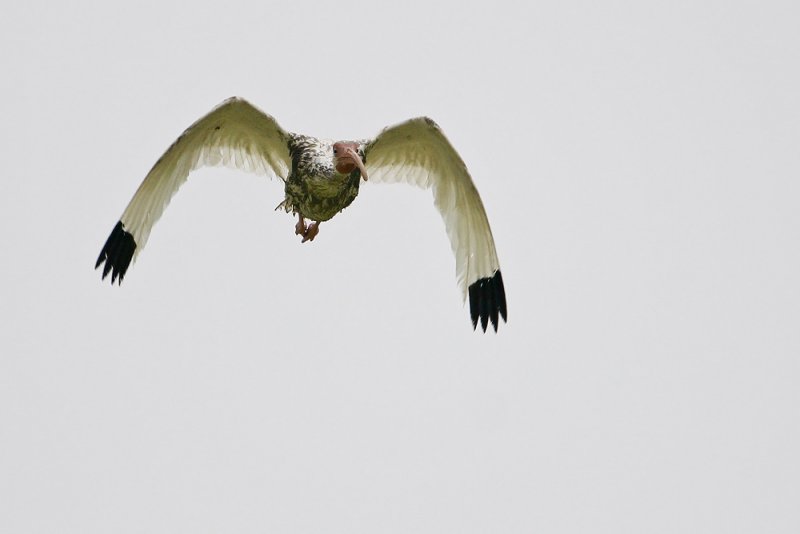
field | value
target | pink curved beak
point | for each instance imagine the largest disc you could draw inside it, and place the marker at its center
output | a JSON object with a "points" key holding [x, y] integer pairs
{"points": [[357, 160]]}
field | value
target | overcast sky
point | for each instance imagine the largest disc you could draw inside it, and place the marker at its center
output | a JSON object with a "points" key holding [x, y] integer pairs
{"points": [[639, 164]]}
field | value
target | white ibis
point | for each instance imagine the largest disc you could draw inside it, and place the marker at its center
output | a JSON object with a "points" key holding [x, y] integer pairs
{"points": [[321, 178]]}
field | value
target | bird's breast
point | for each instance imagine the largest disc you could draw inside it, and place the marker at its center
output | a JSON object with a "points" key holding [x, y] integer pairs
{"points": [[321, 196]]}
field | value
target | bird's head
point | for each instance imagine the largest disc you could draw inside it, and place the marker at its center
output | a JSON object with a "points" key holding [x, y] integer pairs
{"points": [[346, 158]]}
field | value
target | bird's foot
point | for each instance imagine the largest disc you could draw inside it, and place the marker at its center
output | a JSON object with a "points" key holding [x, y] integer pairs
{"points": [[311, 232], [300, 227]]}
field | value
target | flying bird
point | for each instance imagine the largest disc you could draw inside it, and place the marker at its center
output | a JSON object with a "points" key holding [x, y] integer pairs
{"points": [[321, 178]]}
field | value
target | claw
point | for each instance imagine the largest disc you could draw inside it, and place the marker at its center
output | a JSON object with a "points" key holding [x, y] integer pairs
{"points": [[311, 232], [308, 232], [300, 227]]}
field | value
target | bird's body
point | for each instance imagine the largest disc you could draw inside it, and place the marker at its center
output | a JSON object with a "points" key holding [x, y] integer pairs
{"points": [[314, 188], [321, 178]]}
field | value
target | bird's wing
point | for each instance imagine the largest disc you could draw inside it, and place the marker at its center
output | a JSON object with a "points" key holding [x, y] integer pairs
{"points": [[235, 134], [417, 152]]}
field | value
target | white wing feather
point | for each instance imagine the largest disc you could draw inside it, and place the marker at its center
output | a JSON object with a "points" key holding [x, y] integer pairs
{"points": [[234, 134], [417, 152]]}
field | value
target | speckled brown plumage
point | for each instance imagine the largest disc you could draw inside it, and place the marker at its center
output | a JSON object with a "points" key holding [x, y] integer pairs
{"points": [[313, 188]]}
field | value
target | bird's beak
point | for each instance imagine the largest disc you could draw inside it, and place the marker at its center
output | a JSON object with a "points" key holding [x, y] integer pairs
{"points": [[357, 160]]}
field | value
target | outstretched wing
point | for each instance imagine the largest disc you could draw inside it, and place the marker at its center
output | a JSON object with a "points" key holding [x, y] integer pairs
{"points": [[418, 153], [235, 134]]}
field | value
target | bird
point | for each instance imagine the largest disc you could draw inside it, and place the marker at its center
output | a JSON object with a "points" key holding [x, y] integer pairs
{"points": [[321, 178]]}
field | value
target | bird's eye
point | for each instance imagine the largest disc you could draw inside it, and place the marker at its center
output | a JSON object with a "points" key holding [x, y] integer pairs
{"points": [[335, 151]]}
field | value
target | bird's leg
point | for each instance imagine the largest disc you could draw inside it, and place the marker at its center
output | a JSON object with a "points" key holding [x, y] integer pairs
{"points": [[311, 232], [300, 227]]}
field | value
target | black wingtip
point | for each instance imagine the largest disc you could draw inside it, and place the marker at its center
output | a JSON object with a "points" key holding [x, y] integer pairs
{"points": [[117, 253], [487, 301]]}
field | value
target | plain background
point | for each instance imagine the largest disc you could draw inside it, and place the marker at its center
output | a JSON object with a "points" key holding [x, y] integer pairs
{"points": [[639, 164]]}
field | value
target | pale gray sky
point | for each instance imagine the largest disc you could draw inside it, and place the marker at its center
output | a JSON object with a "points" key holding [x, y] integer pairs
{"points": [[639, 164]]}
